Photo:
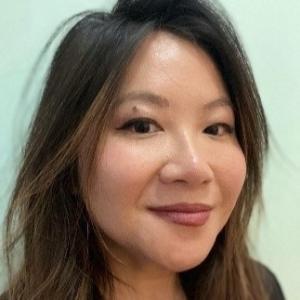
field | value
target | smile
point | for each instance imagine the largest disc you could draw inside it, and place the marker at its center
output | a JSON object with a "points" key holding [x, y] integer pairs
{"points": [[184, 218]]}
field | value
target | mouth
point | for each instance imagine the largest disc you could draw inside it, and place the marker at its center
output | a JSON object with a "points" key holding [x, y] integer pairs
{"points": [[183, 213]]}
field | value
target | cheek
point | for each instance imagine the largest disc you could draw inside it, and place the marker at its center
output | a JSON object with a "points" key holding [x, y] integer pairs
{"points": [[119, 177], [231, 177], [122, 167]]}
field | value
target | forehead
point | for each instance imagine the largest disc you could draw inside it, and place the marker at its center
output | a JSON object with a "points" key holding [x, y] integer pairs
{"points": [[156, 100], [167, 66]]}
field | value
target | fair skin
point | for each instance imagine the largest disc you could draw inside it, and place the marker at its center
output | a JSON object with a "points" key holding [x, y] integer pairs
{"points": [[183, 156]]}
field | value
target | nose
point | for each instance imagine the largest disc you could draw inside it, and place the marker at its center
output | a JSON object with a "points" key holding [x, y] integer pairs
{"points": [[187, 161]]}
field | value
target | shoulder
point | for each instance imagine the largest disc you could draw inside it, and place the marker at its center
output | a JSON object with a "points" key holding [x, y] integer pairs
{"points": [[270, 281], [4, 296]]}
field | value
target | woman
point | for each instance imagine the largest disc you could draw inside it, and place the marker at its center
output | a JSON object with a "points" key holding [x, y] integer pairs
{"points": [[143, 164]]}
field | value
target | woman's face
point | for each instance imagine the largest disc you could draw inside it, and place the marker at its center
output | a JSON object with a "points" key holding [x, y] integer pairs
{"points": [[179, 155]]}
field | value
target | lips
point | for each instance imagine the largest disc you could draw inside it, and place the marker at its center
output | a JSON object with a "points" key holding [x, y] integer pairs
{"points": [[183, 207], [184, 213]]}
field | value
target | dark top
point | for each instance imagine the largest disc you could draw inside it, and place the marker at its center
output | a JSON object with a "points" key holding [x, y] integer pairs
{"points": [[271, 283]]}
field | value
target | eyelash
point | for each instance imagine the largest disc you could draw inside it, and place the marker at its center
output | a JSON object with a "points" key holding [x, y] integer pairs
{"points": [[129, 124]]}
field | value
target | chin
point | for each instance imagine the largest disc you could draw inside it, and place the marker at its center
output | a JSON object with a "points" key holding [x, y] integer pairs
{"points": [[181, 263]]}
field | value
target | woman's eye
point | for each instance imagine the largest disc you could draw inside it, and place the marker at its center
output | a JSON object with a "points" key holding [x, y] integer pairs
{"points": [[219, 129], [139, 125], [143, 125]]}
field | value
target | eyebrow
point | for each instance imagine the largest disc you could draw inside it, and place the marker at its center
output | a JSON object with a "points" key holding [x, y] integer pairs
{"points": [[163, 102]]}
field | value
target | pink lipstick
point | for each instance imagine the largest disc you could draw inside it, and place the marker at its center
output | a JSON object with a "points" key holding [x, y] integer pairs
{"points": [[184, 213]]}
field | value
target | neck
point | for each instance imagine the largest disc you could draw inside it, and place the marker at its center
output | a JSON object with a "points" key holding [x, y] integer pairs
{"points": [[156, 288], [147, 283]]}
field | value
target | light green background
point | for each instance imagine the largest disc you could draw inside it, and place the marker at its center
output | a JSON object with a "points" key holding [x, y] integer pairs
{"points": [[270, 31]]}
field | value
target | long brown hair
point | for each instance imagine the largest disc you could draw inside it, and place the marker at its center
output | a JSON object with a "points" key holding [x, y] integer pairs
{"points": [[63, 256]]}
